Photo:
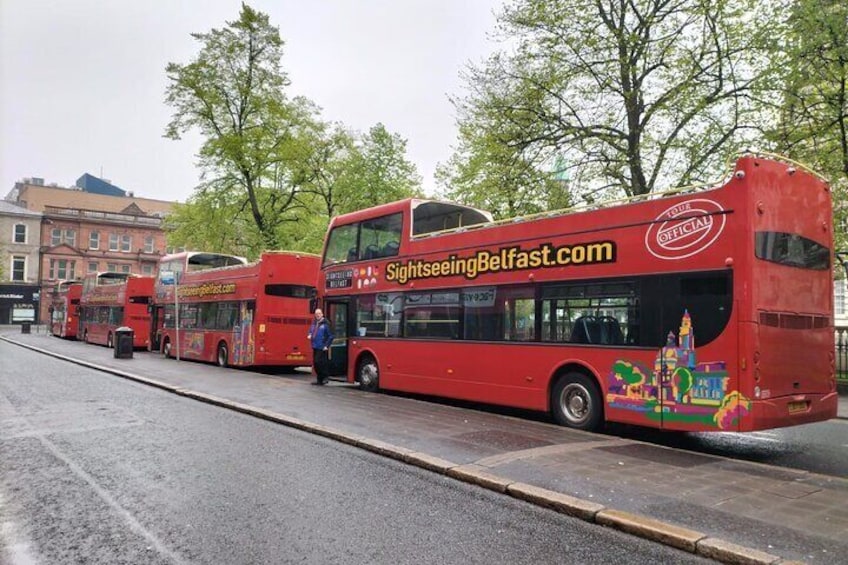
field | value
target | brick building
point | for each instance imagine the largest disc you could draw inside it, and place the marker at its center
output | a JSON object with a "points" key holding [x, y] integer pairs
{"points": [[83, 232]]}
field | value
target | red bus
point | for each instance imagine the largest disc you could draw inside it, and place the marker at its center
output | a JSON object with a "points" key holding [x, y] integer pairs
{"points": [[64, 309], [113, 300], [708, 308], [172, 267], [241, 315]]}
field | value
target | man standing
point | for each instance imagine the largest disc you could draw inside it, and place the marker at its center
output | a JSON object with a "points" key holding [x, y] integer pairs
{"points": [[321, 337]]}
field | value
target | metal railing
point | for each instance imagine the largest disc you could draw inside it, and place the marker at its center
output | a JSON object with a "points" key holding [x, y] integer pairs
{"points": [[842, 354]]}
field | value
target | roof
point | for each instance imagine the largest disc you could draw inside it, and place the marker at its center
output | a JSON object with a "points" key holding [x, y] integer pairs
{"points": [[37, 197], [10, 208], [91, 183]]}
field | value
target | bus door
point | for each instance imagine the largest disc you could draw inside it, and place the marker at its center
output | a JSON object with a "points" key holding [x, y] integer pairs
{"points": [[337, 314]]}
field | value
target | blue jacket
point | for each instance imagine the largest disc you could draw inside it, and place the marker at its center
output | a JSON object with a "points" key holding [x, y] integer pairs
{"points": [[321, 335]]}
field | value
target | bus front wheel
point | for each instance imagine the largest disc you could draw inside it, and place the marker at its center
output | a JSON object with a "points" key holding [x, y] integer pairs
{"points": [[223, 356], [576, 402], [368, 374]]}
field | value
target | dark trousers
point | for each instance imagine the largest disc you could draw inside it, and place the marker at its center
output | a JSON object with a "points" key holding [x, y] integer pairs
{"points": [[321, 362]]}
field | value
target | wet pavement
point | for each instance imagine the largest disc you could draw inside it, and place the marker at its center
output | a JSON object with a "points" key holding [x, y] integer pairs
{"points": [[783, 513]]}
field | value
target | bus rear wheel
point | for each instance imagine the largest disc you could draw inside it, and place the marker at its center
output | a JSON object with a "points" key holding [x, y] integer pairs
{"points": [[576, 402], [223, 356], [368, 374]]}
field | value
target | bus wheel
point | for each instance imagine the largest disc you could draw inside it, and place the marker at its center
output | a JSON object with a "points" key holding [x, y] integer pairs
{"points": [[109, 340], [222, 354], [368, 374], [166, 347], [576, 402]]}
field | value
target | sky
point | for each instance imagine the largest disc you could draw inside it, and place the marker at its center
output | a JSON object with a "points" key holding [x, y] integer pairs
{"points": [[82, 82]]}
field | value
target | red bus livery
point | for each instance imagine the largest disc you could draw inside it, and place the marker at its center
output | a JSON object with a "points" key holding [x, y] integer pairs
{"points": [[64, 309], [241, 315], [113, 300], [172, 267], [708, 308]]}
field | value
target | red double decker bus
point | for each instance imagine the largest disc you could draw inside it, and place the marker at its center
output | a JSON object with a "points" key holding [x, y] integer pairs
{"points": [[241, 315], [64, 309], [113, 300], [173, 267], [709, 308]]}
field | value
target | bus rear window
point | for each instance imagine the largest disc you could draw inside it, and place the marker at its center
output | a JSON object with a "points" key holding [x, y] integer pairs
{"points": [[290, 290], [792, 250]]}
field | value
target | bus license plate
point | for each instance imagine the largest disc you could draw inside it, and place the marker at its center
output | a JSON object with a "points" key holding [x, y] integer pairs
{"points": [[795, 407]]}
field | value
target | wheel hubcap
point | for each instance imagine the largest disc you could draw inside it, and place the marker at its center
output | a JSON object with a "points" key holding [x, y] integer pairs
{"points": [[368, 374], [576, 403]]}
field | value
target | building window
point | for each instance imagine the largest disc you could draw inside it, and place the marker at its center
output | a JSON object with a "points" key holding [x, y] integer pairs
{"points": [[147, 269], [112, 267], [18, 268], [839, 301], [126, 269], [126, 243], [92, 267], [58, 236], [113, 242], [94, 240], [62, 269], [148, 244], [20, 233]]}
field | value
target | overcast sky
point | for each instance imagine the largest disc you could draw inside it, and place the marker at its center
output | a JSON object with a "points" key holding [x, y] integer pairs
{"points": [[82, 81]]}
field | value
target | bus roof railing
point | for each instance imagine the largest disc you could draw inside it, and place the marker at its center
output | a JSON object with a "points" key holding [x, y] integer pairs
{"points": [[630, 199]]}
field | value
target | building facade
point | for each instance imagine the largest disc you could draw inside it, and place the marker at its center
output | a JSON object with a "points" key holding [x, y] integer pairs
{"points": [[20, 242], [83, 232]]}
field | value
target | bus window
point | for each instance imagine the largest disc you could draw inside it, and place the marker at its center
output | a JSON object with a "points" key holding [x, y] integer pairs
{"points": [[380, 236], [791, 249], [433, 314], [379, 314], [342, 245]]}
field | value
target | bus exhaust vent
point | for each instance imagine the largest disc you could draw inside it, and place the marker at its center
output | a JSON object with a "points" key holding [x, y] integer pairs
{"points": [[793, 321]]}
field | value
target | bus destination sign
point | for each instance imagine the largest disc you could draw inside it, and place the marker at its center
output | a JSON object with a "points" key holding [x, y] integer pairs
{"points": [[340, 279]]}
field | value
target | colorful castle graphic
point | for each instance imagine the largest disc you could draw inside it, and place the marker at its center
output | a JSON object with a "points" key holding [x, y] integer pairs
{"points": [[679, 389]]}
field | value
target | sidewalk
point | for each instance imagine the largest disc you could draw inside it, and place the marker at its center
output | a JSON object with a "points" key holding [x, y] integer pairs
{"points": [[731, 510]]}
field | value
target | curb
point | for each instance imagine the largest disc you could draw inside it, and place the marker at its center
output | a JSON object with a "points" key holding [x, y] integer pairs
{"points": [[635, 524]]}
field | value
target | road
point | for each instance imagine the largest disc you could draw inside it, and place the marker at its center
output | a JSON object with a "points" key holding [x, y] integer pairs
{"points": [[95, 469]]}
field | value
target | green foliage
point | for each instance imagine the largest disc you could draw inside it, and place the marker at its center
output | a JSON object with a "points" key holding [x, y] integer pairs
{"points": [[629, 373], [813, 103], [233, 93], [274, 173], [629, 95]]}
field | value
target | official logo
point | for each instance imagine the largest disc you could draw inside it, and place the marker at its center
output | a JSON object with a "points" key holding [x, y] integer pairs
{"points": [[685, 229]]}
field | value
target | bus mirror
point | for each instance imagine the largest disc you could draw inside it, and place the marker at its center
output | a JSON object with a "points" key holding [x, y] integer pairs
{"points": [[313, 305], [150, 308]]}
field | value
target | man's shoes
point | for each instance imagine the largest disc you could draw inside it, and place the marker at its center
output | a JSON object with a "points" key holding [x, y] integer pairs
{"points": [[317, 383]]}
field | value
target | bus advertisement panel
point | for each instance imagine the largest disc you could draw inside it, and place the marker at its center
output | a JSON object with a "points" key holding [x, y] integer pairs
{"points": [[708, 308], [113, 300], [242, 315], [64, 309]]}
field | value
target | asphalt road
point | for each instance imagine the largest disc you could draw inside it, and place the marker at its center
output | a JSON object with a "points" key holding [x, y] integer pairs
{"points": [[96, 469]]}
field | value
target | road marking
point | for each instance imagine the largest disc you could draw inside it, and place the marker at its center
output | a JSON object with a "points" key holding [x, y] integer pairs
{"points": [[134, 524]]}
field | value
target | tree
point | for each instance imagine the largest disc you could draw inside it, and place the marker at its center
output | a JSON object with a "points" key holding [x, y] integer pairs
{"points": [[813, 65], [633, 95], [233, 93]]}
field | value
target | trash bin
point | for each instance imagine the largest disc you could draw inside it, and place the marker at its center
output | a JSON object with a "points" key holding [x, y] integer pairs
{"points": [[25, 327], [123, 343]]}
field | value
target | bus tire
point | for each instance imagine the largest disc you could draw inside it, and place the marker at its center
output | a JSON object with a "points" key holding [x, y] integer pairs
{"points": [[576, 402], [166, 347], [368, 374], [109, 340], [223, 355]]}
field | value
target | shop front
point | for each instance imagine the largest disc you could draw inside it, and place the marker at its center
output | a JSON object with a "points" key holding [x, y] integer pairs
{"points": [[19, 303]]}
